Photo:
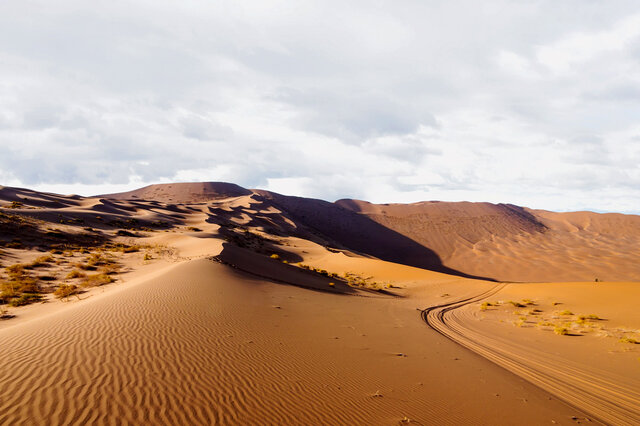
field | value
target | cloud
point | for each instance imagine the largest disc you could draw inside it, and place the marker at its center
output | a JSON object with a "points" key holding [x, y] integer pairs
{"points": [[524, 102]]}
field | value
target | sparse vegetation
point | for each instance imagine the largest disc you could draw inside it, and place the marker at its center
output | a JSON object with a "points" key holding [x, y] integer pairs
{"points": [[15, 205], [96, 280], [41, 261], [566, 312], [275, 256], [589, 317], [64, 291], [76, 274], [630, 340], [561, 330], [516, 304], [25, 299]]}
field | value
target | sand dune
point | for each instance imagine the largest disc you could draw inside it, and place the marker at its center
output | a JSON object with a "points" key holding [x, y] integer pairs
{"points": [[234, 306], [193, 192], [512, 243], [204, 344]]}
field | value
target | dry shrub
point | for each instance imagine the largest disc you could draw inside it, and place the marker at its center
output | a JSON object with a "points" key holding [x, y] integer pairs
{"points": [[96, 280], [66, 290], [76, 274], [41, 261]]}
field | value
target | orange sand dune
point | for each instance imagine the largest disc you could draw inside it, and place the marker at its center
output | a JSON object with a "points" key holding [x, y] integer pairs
{"points": [[204, 344], [234, 306]]}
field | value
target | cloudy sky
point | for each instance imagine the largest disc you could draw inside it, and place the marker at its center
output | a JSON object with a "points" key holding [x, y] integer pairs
{"points": [[535, 103]]}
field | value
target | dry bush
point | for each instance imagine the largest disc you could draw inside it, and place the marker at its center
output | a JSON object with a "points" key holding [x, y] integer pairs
{"points": [[25, 299], [41, 261], [485, 305], [76, 274], [96, 280], [66, 290], [561, 331]]}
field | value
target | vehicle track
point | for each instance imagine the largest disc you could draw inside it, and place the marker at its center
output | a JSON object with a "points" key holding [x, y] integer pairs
{"points": [[602, 395]]}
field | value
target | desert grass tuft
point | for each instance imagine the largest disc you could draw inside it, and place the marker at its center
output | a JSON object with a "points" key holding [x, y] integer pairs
{"points": [[560, 330]]}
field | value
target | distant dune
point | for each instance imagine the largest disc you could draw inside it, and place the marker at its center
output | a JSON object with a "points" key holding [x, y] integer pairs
{"points": [[192, 192], [512, 243], [492, 241]]}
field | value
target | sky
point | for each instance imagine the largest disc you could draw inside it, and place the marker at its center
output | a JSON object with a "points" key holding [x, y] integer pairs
{"points": [[535, 103]]}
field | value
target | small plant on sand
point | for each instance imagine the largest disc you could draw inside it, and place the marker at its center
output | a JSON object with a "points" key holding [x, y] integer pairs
{"points": [[96, 280], [193, 229], [528, 302], [25, 299], [76, 274], [66, 290], [41, 261], [546, 324], [485, 305], [589, 317], [566, 312], [516, 304], [630, 340], [147, 256], [275, 256], [332, 284], [560, 330]]}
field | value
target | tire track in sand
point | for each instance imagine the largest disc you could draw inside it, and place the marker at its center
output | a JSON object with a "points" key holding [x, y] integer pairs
{"points": [[596, 392]]}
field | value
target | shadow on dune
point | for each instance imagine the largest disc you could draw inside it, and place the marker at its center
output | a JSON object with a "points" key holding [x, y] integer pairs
{"points": [[359, 233], [250, 262]]}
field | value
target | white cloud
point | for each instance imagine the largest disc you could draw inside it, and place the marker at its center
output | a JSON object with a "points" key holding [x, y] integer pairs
{"points": [[533, 103]]}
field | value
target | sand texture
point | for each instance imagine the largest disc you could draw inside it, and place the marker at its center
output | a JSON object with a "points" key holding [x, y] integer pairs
{"points": [[234, 306]]}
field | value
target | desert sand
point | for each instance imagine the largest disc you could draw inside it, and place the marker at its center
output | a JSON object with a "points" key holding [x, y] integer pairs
{"points": [[232, 306]]}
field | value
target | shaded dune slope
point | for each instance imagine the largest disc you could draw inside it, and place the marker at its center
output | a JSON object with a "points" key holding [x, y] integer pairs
{"points": [[512, 243], [358, 232]]}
